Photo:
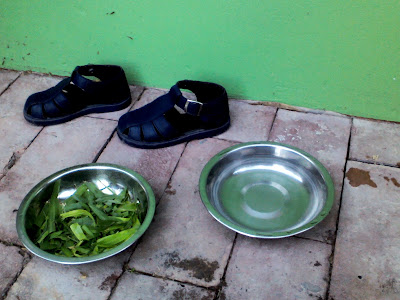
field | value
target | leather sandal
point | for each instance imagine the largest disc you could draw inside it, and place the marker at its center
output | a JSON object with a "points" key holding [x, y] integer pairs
{"points": [[172, 119], [79, 95]]}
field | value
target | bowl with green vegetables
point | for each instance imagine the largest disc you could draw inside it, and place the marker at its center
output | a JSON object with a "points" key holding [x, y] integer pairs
{"points": [[85, 213]]}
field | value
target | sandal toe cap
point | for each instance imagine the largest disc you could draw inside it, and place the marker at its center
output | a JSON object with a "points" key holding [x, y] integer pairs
{"points": [[36, 111]]}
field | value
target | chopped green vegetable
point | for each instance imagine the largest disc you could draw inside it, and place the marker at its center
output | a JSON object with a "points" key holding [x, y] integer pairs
{"points": [[78, 232], [89, 222], [76, 213], [54, 208], [112, 240]]}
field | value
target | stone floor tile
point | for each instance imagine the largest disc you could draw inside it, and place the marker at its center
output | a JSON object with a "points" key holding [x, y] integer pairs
{"points": [[42, 279], [155, 165], [15, 136], [242, 114], [136, 92], [13, 100], [323, 136], [15, 132], [55, 148], [326, 138], [148, 96], [147, 287], [291, 268], [6, 78], [375, 142], [11, 262], [366, 260], [184, 242]]}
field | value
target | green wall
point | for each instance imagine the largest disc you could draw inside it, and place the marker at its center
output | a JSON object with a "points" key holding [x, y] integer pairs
{"points": [[335, 55]]}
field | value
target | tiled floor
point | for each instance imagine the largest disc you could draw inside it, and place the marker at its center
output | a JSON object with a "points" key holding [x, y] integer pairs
{"points": [[353, 254]]}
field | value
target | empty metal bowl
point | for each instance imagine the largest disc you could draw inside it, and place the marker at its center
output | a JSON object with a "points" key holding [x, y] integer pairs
{"points": [[266, 190], [109, 176]]}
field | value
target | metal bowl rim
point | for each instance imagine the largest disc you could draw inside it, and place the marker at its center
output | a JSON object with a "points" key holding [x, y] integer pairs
{"points": [[253, 233], [20, 222]]}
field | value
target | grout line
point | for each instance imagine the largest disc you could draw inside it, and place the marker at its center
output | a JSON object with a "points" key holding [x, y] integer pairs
{"points": [[11, 162], [375, 120], [25, 262], [10, 244], [104, 146], [313, 240], [138, 98], [280, 105], [289, 107], [26, 259], [15, 157], [223, 281], [374, 163], [171, 279], [225, 140], [30, 143], [332, 256], [172, 173], [10, 84], [125, 263], [99, 118], [314, 112], [273, 123]]}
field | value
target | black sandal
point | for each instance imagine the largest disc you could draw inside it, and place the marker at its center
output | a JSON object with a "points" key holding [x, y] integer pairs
{"points": [[78, 95], [159, 124]]}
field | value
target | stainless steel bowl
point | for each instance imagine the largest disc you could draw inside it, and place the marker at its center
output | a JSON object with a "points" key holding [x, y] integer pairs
{"points": [[114, 177], [266, 190]]}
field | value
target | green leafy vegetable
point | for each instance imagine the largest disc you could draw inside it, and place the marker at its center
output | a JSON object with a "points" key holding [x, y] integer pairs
{"points": [[76, 213], [54, 208], [114, 239], [89, 222], [78, 232]]}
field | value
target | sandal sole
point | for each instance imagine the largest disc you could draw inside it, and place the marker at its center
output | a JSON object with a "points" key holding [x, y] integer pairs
{"points": [[193, 135], [88, 110]]}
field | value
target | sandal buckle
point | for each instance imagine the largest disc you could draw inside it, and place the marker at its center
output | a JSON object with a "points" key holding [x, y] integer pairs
{"points": [[188, 101]]}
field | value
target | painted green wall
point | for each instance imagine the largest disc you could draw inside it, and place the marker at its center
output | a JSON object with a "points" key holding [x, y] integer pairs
{"points": [[336, 55]]}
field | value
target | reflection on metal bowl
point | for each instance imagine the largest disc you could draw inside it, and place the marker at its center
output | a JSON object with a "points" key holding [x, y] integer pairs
{"points": [[266, 190]]}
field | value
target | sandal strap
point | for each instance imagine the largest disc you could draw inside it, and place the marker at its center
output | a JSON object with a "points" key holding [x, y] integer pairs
{"points": [[85, 84], [212, 98], [189, 106]]}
